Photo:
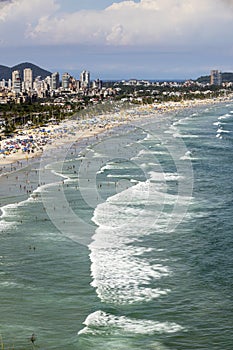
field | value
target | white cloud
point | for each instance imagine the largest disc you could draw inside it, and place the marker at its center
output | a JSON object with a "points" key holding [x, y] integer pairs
{"points": [[162, 23], [19, 10], [17, 16]]}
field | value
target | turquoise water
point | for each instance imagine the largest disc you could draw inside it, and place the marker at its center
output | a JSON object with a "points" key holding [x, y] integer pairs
{"points": [[126, 243]]}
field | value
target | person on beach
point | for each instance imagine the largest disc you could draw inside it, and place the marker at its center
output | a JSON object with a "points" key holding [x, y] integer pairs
{"points": [[33, 338]]}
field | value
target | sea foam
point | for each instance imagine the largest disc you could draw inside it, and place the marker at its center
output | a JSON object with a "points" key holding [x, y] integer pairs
{"points": [[105, 323]]}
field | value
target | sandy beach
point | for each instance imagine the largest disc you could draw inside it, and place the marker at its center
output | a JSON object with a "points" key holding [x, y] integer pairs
{"points": [[31, 142], [21, 155], [104, 180]]}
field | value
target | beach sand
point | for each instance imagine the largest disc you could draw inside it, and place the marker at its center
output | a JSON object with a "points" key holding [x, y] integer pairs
{"points": [[19, 171], [15, 150]]}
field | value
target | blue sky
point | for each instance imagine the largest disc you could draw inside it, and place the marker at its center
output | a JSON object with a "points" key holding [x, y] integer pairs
{"points": [[76, 5], [151, 39]]}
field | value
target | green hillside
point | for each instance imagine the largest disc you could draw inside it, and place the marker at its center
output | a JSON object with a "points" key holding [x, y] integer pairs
{"points": [[226, 77]]}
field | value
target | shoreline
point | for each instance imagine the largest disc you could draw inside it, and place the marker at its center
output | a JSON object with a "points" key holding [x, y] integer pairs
{"points": [[28, 144], [19, 175], [45, 258]]}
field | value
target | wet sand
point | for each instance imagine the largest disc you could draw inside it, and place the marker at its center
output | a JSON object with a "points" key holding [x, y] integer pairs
{"points": [[71, 130], [19, 172]]}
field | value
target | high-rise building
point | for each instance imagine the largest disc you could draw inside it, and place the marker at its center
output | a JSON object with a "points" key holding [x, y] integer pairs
{"points": [[48, 82], [37, 84], [40, 86], [85, 79], [215, 77], [16, 81], [3, 83], [54, 81], [65, 80], [97, 84], [27, 79]]}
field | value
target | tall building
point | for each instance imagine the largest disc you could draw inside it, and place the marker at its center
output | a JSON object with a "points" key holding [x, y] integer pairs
{"points": [[215, 77], [40, 86], [37, 84], [16, 81], [27, 79], [85, 79], [65, 80], [3, 83], [48, 82], [97, 84], [54, 81]]}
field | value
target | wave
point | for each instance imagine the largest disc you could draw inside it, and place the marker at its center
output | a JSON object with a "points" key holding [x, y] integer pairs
{"points": [[122, 176], [184, 121], [117, 166], [6, 225], [189, 156], [219, 136], [11, 216], [16, 285], [185, 136], [9, 207], [120, 274], [225, 116], [220, 131], [156, 176], [176, 133], [100, 322], [149, 153]]}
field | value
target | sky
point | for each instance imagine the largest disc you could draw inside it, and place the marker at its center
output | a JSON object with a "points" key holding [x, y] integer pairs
{"points": [[121, 39]]}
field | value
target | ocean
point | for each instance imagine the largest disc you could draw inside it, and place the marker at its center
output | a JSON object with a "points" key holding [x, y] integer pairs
{"points": [[123, 241]]}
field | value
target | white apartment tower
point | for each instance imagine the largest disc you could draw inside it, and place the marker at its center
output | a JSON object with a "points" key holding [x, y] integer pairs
{"points": [[54, 81], [85, 79], [215, 77], [65, 80], [3, 83], [27, 79], [16, 81], [97, 84]]}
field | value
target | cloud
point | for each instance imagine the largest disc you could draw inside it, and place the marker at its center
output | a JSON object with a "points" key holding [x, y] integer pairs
{"points": [[3, 3], [149, 22], [26, 10], [228, 2], [155, 23], [18, 17]]}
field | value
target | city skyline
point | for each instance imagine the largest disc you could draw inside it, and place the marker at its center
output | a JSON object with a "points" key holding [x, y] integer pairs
{"points": [[26, 71], [144, 39], [23, 84]]}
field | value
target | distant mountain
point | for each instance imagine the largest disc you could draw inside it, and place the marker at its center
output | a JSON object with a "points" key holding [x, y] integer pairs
{"points": [[6, 72], [226, 77]]}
